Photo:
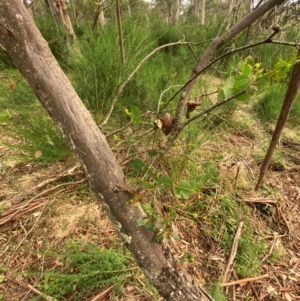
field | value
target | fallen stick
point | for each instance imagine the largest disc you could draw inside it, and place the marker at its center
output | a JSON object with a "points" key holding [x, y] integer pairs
{"points": [[102, 295], [19, 197], [242, 281], [232, 254]]}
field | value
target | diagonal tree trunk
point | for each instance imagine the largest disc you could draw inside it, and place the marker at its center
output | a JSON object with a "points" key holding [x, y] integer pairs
{"points": [[289, 99], [30, 53]]}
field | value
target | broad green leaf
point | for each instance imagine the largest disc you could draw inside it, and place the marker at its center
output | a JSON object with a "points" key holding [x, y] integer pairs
{"points": [[241, 82], [4, 116], [183, 190], [246, 69], [141, 221], [127, 112], [148, 185], [138, 164], [221, 95], [282, 74], [136, 114], [250, 61], [153, 175], [228, 85], [164, 182], [257, 65], [243, 97]]}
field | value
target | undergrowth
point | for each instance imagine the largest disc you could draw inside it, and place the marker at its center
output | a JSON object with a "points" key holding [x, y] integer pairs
{"points": [[269, 104], [84, 269]]}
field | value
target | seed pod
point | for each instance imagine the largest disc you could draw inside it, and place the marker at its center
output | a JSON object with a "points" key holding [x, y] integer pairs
{"points": [[167, 124]]}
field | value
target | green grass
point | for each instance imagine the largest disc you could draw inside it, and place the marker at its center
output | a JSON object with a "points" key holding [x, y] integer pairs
{"points": [[35, 135], [269, 104]]}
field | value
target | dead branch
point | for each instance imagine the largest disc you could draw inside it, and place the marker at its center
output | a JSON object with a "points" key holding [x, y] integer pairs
{"points": [[19, 197], [243, 281], [232, 254], [19, 209]]}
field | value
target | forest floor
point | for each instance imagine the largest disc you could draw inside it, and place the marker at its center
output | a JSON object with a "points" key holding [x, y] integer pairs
{"points": [[46, 212]]}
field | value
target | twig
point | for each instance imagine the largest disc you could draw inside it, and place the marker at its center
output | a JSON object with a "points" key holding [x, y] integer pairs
{"points": [[19, 197], [193, 52], [24, 206], [103, 294], [208, 110], [232, 254], [242, 281], [27, 233], [126, 125], [120, 90], [271, 249], [46, 297], [260, 200], [268, 40]]}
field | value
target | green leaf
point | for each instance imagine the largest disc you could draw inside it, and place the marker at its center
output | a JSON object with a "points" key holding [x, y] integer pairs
{"points": [[183, 190], [282, 74], [4, 116], [154, 153], [228, 85], [148, 185], [221, 95], [250, 61], [141, 221], [246, 69], [164, 182], [158, 224], [138, 164], [136, 114], [241, 82], [243, 97]]}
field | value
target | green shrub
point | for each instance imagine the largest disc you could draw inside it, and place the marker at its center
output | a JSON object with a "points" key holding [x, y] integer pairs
{"points": [[269, 104], [85, 269], [36, 136]]}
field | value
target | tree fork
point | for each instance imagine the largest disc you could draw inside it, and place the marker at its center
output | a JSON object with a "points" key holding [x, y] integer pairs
{"points": [[31, 54]]}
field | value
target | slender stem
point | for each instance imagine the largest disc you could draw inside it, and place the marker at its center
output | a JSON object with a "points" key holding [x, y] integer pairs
{"points": [[218, 104]]}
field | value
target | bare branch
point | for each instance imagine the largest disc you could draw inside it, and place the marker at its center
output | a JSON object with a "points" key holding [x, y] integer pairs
{"points": [[218, 104], [214, 46], [120, 90]]}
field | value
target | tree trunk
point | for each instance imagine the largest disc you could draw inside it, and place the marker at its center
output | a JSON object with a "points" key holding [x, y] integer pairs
{"points": [[289, 99], [202, 15], [59, 9], [31, 54]]}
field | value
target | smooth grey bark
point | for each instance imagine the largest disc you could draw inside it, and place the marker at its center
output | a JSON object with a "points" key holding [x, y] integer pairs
{"points": [[31, 54]]}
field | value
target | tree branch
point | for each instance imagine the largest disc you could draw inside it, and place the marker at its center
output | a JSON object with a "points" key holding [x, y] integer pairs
{"points": [[214, 46], [121, 88], [218, 104]]}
